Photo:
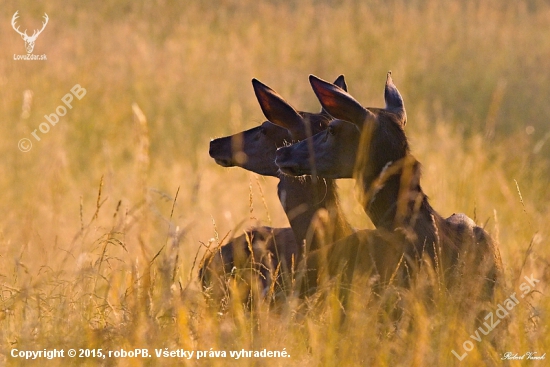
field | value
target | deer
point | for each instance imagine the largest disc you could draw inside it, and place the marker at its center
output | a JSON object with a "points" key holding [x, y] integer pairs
{"points": [[370, 145], [29, 40], [308, 202]]}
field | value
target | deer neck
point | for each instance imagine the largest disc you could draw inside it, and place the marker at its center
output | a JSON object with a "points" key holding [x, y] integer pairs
{"points": [[302, 198], [399, 203], [381, 205]]}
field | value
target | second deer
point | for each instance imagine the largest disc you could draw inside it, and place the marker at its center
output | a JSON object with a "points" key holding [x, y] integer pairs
{"points": [[266, 250], [369, 144]]}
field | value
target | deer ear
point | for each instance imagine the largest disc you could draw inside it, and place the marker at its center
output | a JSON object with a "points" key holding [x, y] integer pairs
{"points": [[275, 108], [341, 82], [337, 102], [394, 101]]}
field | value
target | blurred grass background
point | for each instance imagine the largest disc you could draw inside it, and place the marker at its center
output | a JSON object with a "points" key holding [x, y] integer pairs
{"points": [[475, 80]]}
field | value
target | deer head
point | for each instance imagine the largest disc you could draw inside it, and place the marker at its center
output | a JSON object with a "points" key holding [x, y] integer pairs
{"points": [[359, 138], [29, 40], [255, 149]]}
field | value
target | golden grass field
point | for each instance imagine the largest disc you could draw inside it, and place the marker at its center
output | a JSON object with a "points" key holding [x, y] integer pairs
{"points": [[105, 219]]}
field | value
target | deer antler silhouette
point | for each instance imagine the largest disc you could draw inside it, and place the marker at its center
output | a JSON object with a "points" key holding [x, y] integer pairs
{"points": [[29, 40]]}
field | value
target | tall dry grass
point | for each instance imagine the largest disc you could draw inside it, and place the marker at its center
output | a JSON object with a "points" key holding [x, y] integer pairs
{"points": [[104, 217]]}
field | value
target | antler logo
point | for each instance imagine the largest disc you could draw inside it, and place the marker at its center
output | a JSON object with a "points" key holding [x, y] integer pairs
{"points": [[29, 40]]}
